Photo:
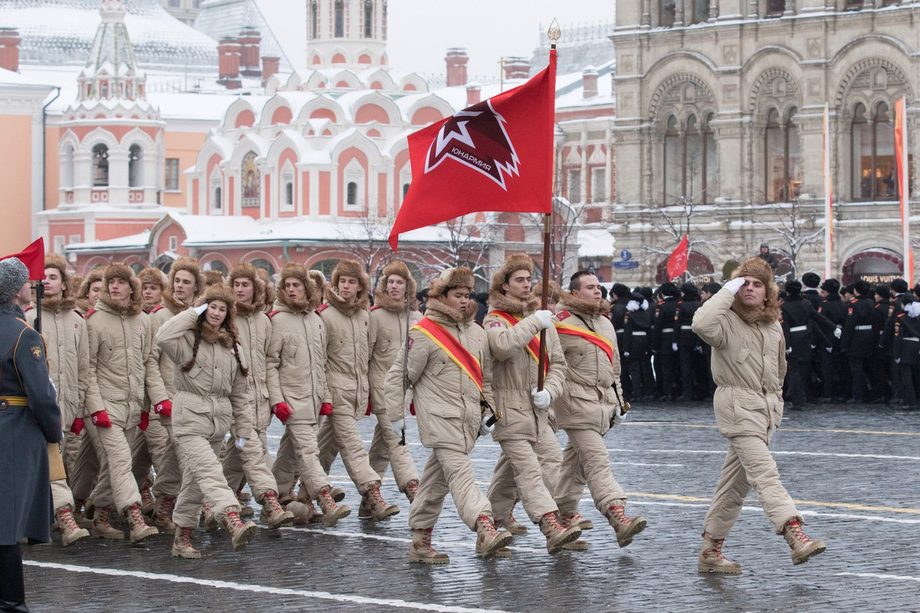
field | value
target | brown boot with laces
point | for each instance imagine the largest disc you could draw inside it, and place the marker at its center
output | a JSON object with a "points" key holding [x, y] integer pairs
{"points": [[148, 503], [332, 512], [70, 531], [713, 561], [411, 489], [378, 507], [556, 534], [625, 527], [421, 550], [511, 525], [576, 519], [489, 540], [803, 548], [139, 528], [182, 545], [273, 515], [240, 532], [102, 525], [162, 518]]}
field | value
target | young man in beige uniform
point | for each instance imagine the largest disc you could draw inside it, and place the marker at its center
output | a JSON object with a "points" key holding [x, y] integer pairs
{"points": [[67, 349], [513, 326], [449, 369], [395, 310], [590, 405], [346, 319], [741, 324], [122, 369]]}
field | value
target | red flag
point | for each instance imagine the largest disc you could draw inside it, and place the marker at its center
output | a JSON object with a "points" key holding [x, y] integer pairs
{"points": [[33, 257], [677, 261], [496, 155]]}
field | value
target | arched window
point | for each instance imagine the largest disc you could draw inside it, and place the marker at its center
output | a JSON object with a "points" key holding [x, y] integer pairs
{"points": [[217, 204], [100, 166], [368, 18], [690, 161], [251, 180], [67, 167], [782, 158], [339, 19], [314, 20], [872, 146], [351, 193], [666, 9], [353, 187], [264, 265], [699, 11], [135, 166], [776, 8], [218, 266], [287, 188]]}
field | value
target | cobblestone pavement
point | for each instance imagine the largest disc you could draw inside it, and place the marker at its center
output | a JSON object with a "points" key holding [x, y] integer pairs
{"points": [[854, 472]]}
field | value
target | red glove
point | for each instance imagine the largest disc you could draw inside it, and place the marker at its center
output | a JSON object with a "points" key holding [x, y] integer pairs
{"points": [[325, 408], [145, 421], [369, 410], [282, 411], [163, 408], [101, 419], [77, 426], [412, 408]]}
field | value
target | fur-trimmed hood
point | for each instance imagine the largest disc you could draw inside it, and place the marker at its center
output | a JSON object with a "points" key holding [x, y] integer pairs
{"points": [[119, 270], [509, 304], [68, 298], [351, 268], [298, 271], [438, 310], [248, 271], [349, 307], [450, 279], [769, 312], [381, 299], [189, 265], [571, 302]]}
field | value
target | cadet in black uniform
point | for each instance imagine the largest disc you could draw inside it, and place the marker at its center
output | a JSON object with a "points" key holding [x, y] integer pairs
{"points": [[636, 334], [878, 366], [907, 350], [833, 364], [859, 338], [693, 386], [663, 340], [898, 297], [619, 295]]}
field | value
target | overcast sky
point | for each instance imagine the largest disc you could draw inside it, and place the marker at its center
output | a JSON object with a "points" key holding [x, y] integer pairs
{"points": [[420, 31]]}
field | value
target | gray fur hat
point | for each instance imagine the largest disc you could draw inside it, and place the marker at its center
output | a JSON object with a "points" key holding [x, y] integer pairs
{"points": [[13, 273]]}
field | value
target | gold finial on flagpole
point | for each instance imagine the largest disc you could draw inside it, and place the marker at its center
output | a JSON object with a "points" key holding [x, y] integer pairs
{"points": [[554, 32]]}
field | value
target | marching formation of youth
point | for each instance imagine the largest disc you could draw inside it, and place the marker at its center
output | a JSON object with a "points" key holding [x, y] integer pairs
{"points": [[166, 387]]}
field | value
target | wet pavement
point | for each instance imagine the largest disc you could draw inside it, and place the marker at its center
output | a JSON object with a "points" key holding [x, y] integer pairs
{"points": [[854, 472]]}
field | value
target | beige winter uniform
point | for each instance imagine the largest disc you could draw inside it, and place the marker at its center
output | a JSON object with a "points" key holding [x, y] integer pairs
{"points": [[448, 411], [514, 376], [210, 398], [347, 362], [748, 366], [585, 408], [296, 374], [387, 330], [121, 369]]}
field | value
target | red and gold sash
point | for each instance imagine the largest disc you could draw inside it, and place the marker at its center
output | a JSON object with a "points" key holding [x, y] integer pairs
{"points": [[452, 347], [533, 346], [592, 337]]}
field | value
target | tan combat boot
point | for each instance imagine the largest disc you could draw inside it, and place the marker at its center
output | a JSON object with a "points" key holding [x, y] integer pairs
{"points": [[240, 532], [102, 526], [162, 519], [511, 525], [273, 515], [489, 540], [338, 494], [301, 512], [148, 503], [332, 512], [243, 498], [556, 534], [182, 545], [711, 558], [79, 517], [411, 489], [208, 518], [803, 548], [421, 550], [576, 519], [378, 507], [70, 531], [139, 528], [626, 527]]}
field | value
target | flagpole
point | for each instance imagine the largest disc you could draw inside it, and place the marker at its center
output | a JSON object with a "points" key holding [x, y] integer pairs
{"points": [[828, 203], [553, 33], [903, 159]]}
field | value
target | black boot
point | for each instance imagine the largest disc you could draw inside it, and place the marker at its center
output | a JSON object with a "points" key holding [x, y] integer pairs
{"points": [[12, 584]]}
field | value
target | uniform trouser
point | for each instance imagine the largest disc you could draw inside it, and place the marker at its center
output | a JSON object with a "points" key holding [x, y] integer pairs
{"points": [[686, 358], [798, 375], [586, 459], [202, 480], [116, 481], [447, 471], [71, 449], [503, 488], [669, 371], [748, 463], [12, 582], [519, 459], [252, 464], [833, 382], [910, 376], [895, 370], [339, 433], [61, 496], [86, 466], [858, 377], [163, 455], [386, 450], [640, 372], [877, 371], [305, 453], [286, 465], [140, 461]]}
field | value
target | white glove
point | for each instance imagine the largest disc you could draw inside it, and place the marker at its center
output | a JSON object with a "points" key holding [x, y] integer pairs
{"points": [[484, 427], [644, 305], [838, 332], [201, 308], [788, 350], [913, 309], [240, 443], [674, 347], [541, 399], [618, 415], [734, 285], [545, 318], [398, 425], [632, 305], [625, 354], [897, 360], [829, 349]]}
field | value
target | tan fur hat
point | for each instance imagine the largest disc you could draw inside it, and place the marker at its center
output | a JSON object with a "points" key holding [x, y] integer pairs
{"points": [[452, 278], [153, 275], [757, 268], [318, 278], [351, 268], [120, 270], [298, 271], [512, 264], [212, 276], [219, 291], [398, 267], [53, 260], [244, 270], [189, 265], [90, 278]]}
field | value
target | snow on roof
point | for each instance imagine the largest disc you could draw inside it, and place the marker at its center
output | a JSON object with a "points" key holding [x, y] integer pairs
{"points": [[211, 107], [12, 79], [226, 18], [159, 39], [594, 242]]}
